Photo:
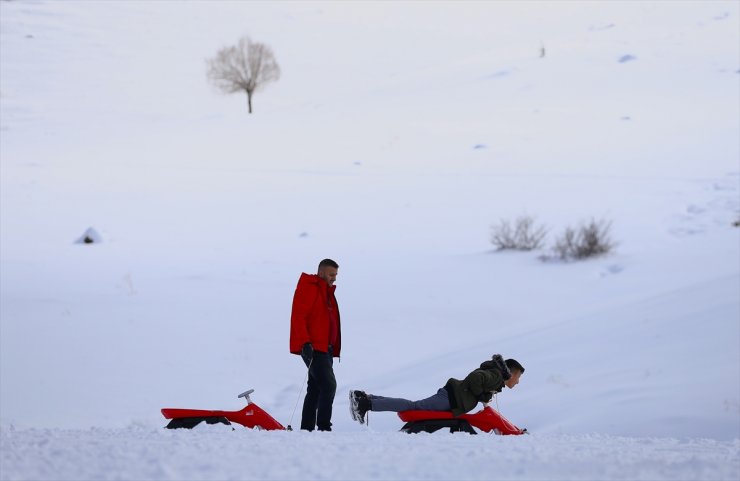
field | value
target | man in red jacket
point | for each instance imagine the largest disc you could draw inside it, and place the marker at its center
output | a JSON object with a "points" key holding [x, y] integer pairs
{"points": [[315, 334]]}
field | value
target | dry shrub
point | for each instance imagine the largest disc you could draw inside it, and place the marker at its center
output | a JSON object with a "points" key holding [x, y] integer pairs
{"points": [[591, 239], [525, 235]]}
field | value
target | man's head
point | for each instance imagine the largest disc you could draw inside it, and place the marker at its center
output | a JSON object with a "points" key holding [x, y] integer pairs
{"points": [[328, 271], [516, 370]]}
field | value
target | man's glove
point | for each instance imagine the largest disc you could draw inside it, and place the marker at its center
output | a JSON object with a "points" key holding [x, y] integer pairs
{"points": [[307, 353]]}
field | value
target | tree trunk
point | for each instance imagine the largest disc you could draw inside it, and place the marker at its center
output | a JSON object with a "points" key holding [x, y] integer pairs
{"points": [[249, 100]]}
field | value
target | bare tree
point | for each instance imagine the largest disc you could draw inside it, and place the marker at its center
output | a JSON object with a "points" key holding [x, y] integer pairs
{"points": [[246, 66]]}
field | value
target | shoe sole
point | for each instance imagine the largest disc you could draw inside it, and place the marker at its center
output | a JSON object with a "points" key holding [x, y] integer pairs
{"points": [[352, 406]]}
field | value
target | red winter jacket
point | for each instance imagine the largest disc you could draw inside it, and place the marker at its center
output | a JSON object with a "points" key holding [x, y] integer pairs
{"points": [[309, 320]]}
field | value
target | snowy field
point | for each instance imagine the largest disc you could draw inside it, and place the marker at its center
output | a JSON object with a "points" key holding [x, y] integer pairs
{"points": [[217, 453], [397, 136]]}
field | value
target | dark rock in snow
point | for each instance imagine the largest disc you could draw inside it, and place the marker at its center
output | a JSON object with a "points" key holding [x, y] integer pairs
{"points": [[90, 236]]}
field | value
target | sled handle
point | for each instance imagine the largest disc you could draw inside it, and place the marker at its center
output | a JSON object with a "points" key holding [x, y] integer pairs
{"points": [[245, 395]]}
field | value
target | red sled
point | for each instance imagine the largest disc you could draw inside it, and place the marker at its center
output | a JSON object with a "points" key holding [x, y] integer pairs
{"points": [[251, 416], [487, 419]]}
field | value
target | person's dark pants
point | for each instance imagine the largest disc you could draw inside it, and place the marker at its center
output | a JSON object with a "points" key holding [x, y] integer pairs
{"points": [[436, 402], [322, 386]]}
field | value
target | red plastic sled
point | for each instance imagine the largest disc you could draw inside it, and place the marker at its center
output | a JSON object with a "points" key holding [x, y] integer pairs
{"points": [[487, 419], [251, 416]]}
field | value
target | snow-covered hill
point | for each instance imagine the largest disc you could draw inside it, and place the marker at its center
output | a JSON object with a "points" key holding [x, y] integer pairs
{"points": [[397, 135]]}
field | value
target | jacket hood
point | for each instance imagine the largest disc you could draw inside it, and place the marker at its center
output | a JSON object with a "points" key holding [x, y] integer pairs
{"points": [[312, 279], [497, 362], [308, 278]]}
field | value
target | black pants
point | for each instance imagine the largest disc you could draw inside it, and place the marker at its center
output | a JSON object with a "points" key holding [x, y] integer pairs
{"points": [[322, 386]]}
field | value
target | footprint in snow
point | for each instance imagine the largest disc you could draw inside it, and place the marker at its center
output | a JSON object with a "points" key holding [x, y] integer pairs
{"points": [[627, 58], [612, 270]]}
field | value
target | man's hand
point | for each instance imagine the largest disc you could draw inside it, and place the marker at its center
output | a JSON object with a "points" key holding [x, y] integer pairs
{"points": [[485, 397], [307, 353]]}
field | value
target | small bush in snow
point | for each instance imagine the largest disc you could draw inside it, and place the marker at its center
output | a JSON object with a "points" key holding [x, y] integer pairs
{"points": [[589, 240], [525, 235]]}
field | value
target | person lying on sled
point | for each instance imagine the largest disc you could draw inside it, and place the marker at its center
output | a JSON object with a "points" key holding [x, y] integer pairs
{"points": [[457, 396]]}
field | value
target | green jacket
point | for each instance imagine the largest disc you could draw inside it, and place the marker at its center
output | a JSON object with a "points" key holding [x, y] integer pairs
{"points": [[477, 387]]}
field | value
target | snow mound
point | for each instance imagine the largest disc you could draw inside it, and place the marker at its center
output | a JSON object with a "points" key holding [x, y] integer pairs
{"points": [[90, 236]]}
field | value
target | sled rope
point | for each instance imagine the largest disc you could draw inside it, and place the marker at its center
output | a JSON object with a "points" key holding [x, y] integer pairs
{"points": [[495, 398], [305, 379]]}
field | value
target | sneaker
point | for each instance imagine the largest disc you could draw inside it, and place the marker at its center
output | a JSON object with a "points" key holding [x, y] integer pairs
{"points": [[353, 405], [359, 405]]}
